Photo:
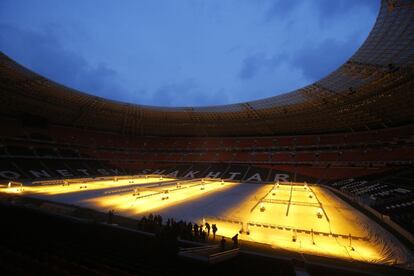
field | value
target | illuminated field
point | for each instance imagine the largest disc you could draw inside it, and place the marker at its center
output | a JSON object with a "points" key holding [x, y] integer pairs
{"points": [[153, 200], [287, 219], [80, 186], [299, 218]]}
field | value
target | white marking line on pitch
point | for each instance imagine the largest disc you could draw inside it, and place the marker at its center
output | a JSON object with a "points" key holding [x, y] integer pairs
{"points": [[261, 200], [290, 199]]}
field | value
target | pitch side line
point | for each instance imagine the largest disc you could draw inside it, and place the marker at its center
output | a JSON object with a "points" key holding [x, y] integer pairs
{"points": [[299, 203], [290, 200], [260, 200]]}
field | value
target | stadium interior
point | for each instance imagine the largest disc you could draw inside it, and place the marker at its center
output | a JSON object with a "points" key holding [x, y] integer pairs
{"points": [[351, 133]]}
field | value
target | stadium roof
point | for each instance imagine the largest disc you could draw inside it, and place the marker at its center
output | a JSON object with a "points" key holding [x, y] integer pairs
{"points": [[373, 89]]}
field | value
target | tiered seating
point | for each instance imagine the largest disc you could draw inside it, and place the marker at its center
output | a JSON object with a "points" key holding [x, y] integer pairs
{"points": [[8, 165], [19, 151], [54, 166], [3, 151], [226, 157], [307, 156], [208, 157], [360, 138], [244, 143], [282, 157], [260, 157], [373, 148], [332, 140], [189, 157], [46, 152], [351, 155], [180, 144], [195, 144], [67, 152], [175, 157], [29, 164], [390, 194], [266, 143], [328, 156], [13, 128], [306, 140], [242, 157], [284, 141]]}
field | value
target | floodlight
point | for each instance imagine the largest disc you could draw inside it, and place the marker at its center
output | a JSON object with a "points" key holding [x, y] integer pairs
{"points": [[319, 213], [262, 207]]}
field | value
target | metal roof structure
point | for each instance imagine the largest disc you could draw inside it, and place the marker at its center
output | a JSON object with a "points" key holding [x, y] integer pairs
{"points": [[373, 89]]}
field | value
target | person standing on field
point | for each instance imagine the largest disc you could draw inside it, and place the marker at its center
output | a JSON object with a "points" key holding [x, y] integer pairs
{"points": [[214, 228]]}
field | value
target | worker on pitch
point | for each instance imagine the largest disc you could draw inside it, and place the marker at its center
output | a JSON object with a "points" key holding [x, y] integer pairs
{"points": [[195, 227], [223, 243], [235, 241], [110, 216], [214, 228], [207, 225]]}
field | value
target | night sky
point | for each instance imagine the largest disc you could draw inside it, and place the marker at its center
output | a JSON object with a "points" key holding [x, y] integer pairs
{"points": [[184, 52]]}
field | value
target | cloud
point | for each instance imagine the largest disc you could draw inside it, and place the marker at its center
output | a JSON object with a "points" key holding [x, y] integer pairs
{"points": [[44, 53], [330, 9], [307, 64], [49, 58], [186, 92], [281, 8], [326, 10], [202, 54], [253, 64], [319, 60]]}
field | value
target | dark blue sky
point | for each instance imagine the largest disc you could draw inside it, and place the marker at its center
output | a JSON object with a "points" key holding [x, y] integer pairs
{"points": [[184, 52]]}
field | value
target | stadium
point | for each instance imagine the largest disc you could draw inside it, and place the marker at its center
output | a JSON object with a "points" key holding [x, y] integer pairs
{"points": [[314, 182]]}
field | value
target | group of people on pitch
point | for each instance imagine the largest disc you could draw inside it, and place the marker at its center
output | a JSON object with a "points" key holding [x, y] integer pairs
{"points": [[184, 230]]}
